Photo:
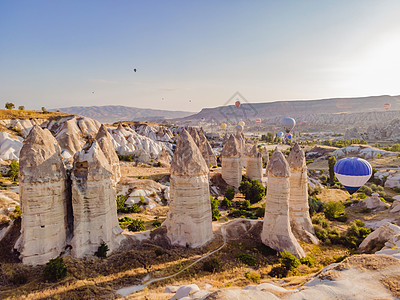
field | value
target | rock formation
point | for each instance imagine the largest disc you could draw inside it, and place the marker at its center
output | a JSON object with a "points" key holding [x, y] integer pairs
{"points": [[242, 144], [206, 150], [43, 198], [373, 202], [265, 155], [104, 140], [300, 220], [254, 165], [231, 162], [189, 221], [276, 232], [69, 138], [93, 201]]}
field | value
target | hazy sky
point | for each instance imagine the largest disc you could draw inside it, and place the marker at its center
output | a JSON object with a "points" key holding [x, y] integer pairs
{"points": [[195, 54]]}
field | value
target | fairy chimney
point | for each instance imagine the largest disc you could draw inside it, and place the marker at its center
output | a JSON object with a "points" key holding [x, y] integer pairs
{"points": [[189, 220], [254, 165], [276, 232], [231, 162]]}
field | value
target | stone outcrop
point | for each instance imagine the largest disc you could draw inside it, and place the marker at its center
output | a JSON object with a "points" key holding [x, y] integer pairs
{"points": [[300, 220], [381, 238], [373, 202], [254, 165], [265, 154], [69, 138], [276, 232], [104, 140], [93, 201], [242, 144], [43, 198], [231, 162], [206, 150], [189, 221]]}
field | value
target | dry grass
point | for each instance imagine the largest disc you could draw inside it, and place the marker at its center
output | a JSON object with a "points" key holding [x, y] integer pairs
{"points": [[335, 195], [6, 114]]}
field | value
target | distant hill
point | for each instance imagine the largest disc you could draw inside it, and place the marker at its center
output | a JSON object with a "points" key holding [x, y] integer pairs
{"points": [[297, 108], [114, 113]]}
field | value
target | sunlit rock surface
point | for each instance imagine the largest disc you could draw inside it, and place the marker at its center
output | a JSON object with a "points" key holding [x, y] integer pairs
{"points": [[254, 165], [189, 221], [276, 232], [231, 162], [43, 198]]}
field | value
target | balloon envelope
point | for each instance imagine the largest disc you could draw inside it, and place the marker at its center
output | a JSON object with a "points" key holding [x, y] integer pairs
{"points": [[281, 134], [223, 126], [239, 128], [237, 104], [241, 123], [258, 121], [289, 136], [387, 106], [288, 124], [352, 172], [203, 119]]}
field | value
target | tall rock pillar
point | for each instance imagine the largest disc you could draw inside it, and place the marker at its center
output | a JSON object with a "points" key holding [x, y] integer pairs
{"points": [[276, 232], [300, 221], [93, 202], [43, 198], [231, 162], [254, 165], [189, 220]]}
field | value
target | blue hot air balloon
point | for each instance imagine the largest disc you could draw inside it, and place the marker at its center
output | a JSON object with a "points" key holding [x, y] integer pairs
{"points": [[353, 173], [281, 134]]}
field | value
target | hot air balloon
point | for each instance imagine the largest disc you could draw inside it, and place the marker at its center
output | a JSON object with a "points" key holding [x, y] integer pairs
{"points": [[237, 104], [288, 124], [353, 173], [288, 136], [258, 121], [223, 126], [281, 134], [239, 128], [203, 119], [241, 123], [387, 106]]}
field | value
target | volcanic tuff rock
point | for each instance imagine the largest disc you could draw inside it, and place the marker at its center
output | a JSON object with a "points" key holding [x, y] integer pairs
{"points": [[93, 201], [69, 138], [231, 162], [43, 198], [277, 232], [189, 221], [254, 165], [300, 220]]}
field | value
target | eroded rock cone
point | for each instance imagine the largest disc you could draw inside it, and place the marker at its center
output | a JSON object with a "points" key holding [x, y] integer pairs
{"points": [[189, 221], [43, 198], [206, 150], [300, 220], [254, 165], [276, 232], [231, 162], [69, 138], [93, 201], [104, 140], [242, 145]]}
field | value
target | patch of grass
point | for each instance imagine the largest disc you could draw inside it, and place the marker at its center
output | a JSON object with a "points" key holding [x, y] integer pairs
{"points": [[253, 276]]}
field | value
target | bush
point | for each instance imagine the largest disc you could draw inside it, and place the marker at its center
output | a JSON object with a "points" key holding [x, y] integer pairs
{"points": [[230, 193], [159, 251], [55, 270], [366, 190], [9, 105], [121, 208], [226, 203], [315, 205], [288, 261], [136, 225], [309, 260], [247, 259], [16, 213], [253, 276], [335, 211], [260, 211], [237, 213], [211, 265], [13, 172], [21, 107], [355, 234], [243, 205], [214, 208], [102, 250], [320, 220], [253, 190], [156, 223]]}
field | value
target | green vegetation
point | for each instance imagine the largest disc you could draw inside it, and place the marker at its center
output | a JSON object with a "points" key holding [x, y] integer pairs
{"points": [[211, 265], [247, 259], [309, 260], [136, 225], [331, 164], [121, 208], [288, 261], [253, 190], [315, 205], [214, 208], [335, 211], [253, 276], [230, 193], [55, 270], [127, 157], [9, 105], [21, 107], [343, 143], [156, 223], [13, 172], [102, 250], [16, 213], [226, 203]]}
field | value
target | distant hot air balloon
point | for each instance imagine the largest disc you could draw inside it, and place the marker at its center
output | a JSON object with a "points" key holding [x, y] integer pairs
{"points": [[223, 126], [203, 119], [258, 121], [288, 136], [387, 106], [281, 134], [288, 124], [239, 128], [241, 123], [237, 104], [353, 173], [134, 70]]}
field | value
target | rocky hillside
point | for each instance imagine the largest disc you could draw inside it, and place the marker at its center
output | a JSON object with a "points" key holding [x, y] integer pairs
{"points": [[113, 113]]}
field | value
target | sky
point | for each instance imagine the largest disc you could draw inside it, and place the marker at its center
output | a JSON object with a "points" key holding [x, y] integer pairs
{"points": [[195, 54]]}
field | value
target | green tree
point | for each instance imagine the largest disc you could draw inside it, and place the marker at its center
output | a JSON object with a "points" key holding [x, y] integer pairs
{"points": [[214, 208], [13, 172], [102, 250], [21, 107], [55, 269], [9, 105], [253, 190], [230, 193], [331, 164]]}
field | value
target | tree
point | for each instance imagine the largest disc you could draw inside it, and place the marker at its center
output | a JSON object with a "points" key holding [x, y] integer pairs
{"points": [[21, 107], [230, 193], [13, 172], [55, 269], [331, 163], [44, 110], [253, 190], [9, 105]]}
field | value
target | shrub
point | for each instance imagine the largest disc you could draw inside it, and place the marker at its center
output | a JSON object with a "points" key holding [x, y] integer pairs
{"points": [[226, 203], [211, 265], [244, 205], [159, 251], [260, 211], [55, 270], [156, 223], [365, 210], [214, 208], [21, 107], [331, 164], [237, 213], [16, 213], [9, 105], [230, 193], [102, 250], [288, 261], [253, 190], [366, 190], [247, 259], [355, 234], [253, 276], [320, 220], [309, 260], [121, 208], [136, 225], [13, 172], [315, 205], [335, 211]]}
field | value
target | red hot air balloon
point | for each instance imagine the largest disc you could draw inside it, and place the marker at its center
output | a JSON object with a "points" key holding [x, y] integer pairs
{"points": [[237, 104], [387, 106]]}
